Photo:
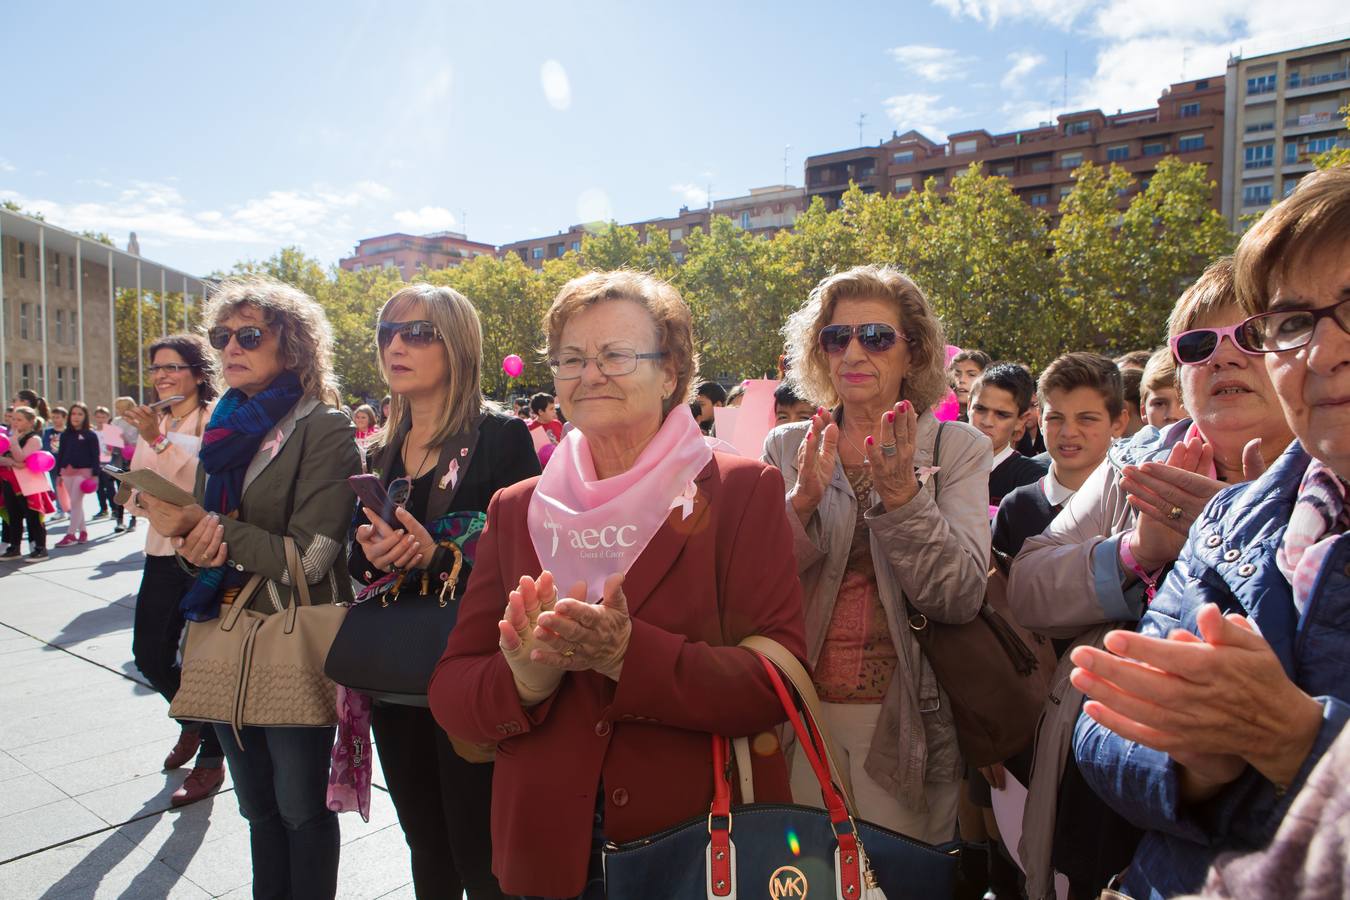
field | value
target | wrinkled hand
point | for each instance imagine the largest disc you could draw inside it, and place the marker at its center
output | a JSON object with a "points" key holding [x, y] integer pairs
{"points": [[1214, 703], [204, 546], [815, 464], [395, 550], [535, 681], [1154, 489], [893, 475], [170, 520], [146, 421], [576, 635]]}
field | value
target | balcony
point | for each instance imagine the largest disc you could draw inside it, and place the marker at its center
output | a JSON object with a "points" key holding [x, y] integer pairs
{"points": [[1316, 84], [1311, 122]]}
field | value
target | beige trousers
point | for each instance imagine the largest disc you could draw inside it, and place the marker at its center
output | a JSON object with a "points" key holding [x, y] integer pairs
{"points": [[852, 725]]}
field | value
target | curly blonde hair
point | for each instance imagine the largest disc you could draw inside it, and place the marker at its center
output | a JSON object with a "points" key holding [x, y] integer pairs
{"points": [[300, 324], [809, 368]]}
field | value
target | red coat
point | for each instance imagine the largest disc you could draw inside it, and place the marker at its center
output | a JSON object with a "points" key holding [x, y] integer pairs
{"points": [[702, 584]]}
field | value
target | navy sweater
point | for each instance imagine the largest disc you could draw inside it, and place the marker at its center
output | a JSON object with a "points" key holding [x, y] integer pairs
{"points": [[78, 449]]}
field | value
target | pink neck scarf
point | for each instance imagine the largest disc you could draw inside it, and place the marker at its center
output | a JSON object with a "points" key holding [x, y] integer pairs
{"points": [[585, 528]]}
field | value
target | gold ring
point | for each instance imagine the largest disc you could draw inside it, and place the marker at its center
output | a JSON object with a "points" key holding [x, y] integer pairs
{"points": [[570, 652], [1175, 513]]}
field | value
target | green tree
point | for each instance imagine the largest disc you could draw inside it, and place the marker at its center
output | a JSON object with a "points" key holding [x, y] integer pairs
{"points": [[1091, 271], [1337, 156]]}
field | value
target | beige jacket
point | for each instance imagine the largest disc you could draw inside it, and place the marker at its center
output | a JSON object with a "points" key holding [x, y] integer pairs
{"points": [[934, 554], [176, 464]]}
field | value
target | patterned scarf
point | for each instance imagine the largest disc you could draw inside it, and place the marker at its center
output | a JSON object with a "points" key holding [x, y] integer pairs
{"points": [[1321, 516], [232, 438]]}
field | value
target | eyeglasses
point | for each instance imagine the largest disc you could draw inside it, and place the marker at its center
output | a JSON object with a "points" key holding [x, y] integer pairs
{"points": [[609, 363], [250, 337], [875, 337], [175, 368], [1289, 329], [416, 334], [1198, 346]]}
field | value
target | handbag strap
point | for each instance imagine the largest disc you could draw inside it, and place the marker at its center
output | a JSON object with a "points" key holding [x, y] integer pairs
{"points": [[297, 572], [917, 620], [795, 672]]}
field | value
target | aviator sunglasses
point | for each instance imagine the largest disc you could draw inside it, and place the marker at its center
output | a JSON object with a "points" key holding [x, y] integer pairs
{"points": [[1198, 346], [875, 337], [249, 337], [419, 333]]}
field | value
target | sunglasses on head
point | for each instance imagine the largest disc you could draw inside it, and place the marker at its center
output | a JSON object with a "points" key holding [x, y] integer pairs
{"points": [[250, 337], [875, 337], [1198, 346], [417, 334]]}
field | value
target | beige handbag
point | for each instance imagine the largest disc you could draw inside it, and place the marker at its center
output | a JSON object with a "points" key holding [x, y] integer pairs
{"points": [[252, 668]]}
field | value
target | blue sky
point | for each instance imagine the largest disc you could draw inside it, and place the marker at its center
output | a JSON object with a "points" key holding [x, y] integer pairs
{"points": [[221, 133]]}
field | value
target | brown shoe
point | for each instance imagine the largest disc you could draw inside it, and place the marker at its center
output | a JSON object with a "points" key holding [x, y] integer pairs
{"points": [[184, 750], [200, 783]]}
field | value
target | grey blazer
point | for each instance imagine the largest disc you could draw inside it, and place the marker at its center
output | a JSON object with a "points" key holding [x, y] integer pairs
{"points": [[297, 488]]}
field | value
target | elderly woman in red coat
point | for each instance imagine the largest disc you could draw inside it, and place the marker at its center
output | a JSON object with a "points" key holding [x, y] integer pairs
{"points": [[601, 694]]}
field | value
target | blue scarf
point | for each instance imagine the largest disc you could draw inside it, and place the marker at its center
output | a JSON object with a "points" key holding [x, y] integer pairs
{"points": [[237, 429]]}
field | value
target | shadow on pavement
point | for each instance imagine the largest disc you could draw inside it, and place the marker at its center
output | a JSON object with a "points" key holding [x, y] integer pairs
{"points": [[93, 623]]}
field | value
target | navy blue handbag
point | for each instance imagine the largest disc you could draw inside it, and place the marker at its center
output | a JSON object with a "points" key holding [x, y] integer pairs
{"points": [[781, 851]]}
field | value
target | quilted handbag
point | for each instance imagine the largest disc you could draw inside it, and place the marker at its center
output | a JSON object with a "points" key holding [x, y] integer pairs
{"points": [[251, 668], [781, 851]]}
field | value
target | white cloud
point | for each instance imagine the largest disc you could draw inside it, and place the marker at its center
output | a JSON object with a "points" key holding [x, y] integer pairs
{"points": [[1023, 63], [920, 112], [933, 63], [557, 88], [6, 166], [1059, 13], [692, 194], [426, 219]]}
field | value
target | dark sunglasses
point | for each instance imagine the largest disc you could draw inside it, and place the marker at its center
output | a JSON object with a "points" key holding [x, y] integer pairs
{"points": [[1198, 346], [250, 337], [875, 337], [417, 334]]}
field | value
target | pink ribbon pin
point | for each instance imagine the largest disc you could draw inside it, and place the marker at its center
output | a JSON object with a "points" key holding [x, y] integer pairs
{"points": [[685, 500], [275, 444], [451, 476]]}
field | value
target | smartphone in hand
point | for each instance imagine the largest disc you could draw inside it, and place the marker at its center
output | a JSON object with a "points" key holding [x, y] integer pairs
{"points": [[374, 497]]}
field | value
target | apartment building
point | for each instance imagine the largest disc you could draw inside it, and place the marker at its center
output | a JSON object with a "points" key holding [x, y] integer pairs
{"points": [[1187, 122], [1281, 109], [56, 293], [765, 210], [410, 252]]}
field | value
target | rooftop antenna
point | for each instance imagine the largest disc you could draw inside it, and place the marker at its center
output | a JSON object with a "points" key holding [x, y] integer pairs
{"points": [[862, 117], [1185, 54], [786, 148], [464, 221], [1065, 107]]}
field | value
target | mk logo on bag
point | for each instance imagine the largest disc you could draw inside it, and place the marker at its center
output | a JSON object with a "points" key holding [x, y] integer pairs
{"points": [[787, 882]]}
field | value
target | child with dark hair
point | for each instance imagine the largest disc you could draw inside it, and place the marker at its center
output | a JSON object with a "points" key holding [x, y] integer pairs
{"points": [[964, 368], [998, 400], [788, 407]]}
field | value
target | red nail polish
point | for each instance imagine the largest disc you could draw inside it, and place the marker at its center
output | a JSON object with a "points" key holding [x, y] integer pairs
{"points": [[904, 406], [890, 417], [869, 440]]}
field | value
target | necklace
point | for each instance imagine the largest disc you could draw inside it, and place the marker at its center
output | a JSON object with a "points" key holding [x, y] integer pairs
{"points": [[865, 460], [406, 470]]}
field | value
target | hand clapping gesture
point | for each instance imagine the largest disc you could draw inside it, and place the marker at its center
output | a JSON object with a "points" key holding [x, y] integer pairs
{"points": [[892, 457], [815, 464]]}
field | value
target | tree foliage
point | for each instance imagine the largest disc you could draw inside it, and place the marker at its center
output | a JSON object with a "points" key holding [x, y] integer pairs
{"points": [[1337, 156]]}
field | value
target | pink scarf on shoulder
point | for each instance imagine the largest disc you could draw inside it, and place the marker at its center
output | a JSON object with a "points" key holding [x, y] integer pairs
{"points": [[585, 528]]}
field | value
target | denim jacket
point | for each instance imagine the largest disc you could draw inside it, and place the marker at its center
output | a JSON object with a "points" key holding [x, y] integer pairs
{"points": [[1229, 559]]}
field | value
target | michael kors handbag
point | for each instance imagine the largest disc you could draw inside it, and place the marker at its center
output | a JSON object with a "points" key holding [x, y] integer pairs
{"points": [[251, 668]]}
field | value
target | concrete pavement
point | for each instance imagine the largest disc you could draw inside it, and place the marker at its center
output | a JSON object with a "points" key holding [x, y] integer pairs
{"points": [[84, 806]]}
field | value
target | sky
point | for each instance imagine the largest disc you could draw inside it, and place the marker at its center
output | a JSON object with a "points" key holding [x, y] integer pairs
{"points": [[222, 132]]}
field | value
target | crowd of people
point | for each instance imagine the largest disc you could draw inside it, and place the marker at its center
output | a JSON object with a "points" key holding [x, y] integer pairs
{"points": [[552, 593]]}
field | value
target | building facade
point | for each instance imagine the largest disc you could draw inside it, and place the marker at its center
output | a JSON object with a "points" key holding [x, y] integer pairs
{"points": [[57, 311], [1039, 162], [1281, 110], [409, 253], [765, 210]]}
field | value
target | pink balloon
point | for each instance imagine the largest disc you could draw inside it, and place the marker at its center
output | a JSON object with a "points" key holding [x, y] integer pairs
{"points": [[88, 485], [513, 366], [4, 443], [949, 410], [40, 462], [952, 350]]}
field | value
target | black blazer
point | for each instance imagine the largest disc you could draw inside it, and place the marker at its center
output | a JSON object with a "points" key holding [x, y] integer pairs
{"points": [[494, 454]]}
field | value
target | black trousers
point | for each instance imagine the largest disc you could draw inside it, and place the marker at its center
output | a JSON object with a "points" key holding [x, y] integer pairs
{"points": [[107, 490], [19, 513], [444, 804], [156, 632]]}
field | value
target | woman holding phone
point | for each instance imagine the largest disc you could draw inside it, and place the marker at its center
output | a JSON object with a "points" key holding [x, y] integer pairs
{"points": [[449, 451], [169, 436]]}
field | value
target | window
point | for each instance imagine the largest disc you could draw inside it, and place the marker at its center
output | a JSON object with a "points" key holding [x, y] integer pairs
{"points": [[938, 180], [23, 320], [904, 185], [1263, 125], [38, 332], [56, 269], [70, 260], [1202, 84], [1004, 171], [536, 253], [1289, 185], [1321, 145], [964, 147], [1039, 198], [1261, 84], [1190, 110], [745, 219], [1064, 191], [1259, 156], [26, 380], [1118, 153], [1080, 127], [1070, 160], [1290, 152], [74, 327], [1256, 195], [679, 256], [866, 168], [1154, 149], [1039, 165], [677, 234], [388, 264], [576, 246], [903, 156], [60, 382], [560, 250], [75, 382], [60, 326], [23, 261], [1189, 143]]}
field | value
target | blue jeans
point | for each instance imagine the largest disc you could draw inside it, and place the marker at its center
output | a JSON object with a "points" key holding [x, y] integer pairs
{"points": [[281, 780]]}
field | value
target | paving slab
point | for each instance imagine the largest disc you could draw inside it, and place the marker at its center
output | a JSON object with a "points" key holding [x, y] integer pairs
{"points": [[103, 866], [45, 826]]}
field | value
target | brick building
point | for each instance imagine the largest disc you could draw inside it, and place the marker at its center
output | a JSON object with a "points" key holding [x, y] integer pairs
{"points": [[1039, 162], [1281, 110], [410, 252]]}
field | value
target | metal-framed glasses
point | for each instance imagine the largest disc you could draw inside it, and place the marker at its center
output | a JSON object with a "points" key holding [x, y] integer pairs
{"points": [[419, 333], [250, 337], [610, 363], [875, 337], [169, 368], [1290, 329]]}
